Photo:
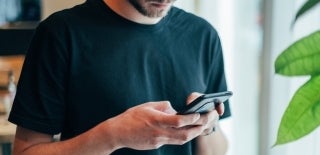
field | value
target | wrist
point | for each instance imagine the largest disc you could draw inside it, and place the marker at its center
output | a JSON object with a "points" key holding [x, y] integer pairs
{"points": [[108, 135]]}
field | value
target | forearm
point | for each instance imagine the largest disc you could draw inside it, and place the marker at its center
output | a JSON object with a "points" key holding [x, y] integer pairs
{"points": [[97, 141], [213, 144]]}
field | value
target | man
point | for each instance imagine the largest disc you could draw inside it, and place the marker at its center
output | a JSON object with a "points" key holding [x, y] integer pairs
{"points": [[111, 75]]}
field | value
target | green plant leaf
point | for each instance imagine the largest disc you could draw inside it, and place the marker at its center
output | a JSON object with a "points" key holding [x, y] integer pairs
{"points": [[306, 7], [301, 58], [302, 115]]}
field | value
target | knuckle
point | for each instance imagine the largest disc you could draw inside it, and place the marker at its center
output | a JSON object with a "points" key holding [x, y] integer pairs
{"points": [[167, 103], [185, 137], [154, 142], [177, 122]]}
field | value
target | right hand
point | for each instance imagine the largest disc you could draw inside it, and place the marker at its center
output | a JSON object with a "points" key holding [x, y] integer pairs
{"points": [[151, 125]]}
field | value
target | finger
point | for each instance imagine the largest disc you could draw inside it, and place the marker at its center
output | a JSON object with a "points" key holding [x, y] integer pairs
{"points": [[178, 121], [220, 108], [208, 131], [210, 128], [193, 96], [183, 135], [213, 128], [208, 118], [165, 115]]}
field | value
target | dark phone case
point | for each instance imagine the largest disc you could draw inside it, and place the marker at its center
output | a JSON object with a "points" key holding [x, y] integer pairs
{"points": [[206, 103]]}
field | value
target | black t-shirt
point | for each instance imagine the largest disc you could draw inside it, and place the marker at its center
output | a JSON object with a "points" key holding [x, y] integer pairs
{"points": [[88, 64]]}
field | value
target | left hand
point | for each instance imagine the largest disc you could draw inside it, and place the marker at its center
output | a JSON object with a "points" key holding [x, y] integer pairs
{"points": [[209, 120]]}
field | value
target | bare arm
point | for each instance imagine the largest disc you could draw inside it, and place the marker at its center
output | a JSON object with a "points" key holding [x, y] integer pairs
{"points": [[28, 142], [213, 144], [151, 125]]}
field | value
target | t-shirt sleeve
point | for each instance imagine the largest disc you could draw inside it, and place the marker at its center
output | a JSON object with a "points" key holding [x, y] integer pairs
{"points": [[217, 79], [39, 103]]}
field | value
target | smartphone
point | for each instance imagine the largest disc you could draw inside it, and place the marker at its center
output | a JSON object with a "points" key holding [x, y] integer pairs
{"points": [[206, 103]]}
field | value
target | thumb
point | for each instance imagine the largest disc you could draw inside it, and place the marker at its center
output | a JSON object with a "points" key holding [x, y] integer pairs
{"points": [[193, 96], [165, 106], [170, 119], [178, 121]]}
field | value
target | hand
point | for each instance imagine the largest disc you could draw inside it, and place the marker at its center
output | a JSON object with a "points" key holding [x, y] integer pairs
{"points": [[151, 125], [209, 120]]}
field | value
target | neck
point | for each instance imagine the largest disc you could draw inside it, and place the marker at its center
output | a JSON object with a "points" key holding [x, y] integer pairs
{"points": [[126, 10]]}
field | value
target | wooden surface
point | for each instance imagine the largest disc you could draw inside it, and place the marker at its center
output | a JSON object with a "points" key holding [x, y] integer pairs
{"points": [[7, 132], [10, 63]]}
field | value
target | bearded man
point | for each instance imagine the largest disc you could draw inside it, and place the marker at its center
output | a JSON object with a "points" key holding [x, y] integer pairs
{"points": [[110, 76]]}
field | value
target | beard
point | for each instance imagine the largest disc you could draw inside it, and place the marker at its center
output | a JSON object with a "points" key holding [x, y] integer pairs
{"points": [[148, 10]]}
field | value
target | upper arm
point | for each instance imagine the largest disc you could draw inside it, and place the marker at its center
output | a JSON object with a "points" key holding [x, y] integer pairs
{"points": [[26, 138]]}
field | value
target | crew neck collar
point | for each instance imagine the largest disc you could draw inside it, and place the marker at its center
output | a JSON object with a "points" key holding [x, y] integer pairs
{"points": [[128, 22]]}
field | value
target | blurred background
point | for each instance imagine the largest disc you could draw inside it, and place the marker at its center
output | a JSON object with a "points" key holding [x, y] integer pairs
{"points": [[253, 33]]}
